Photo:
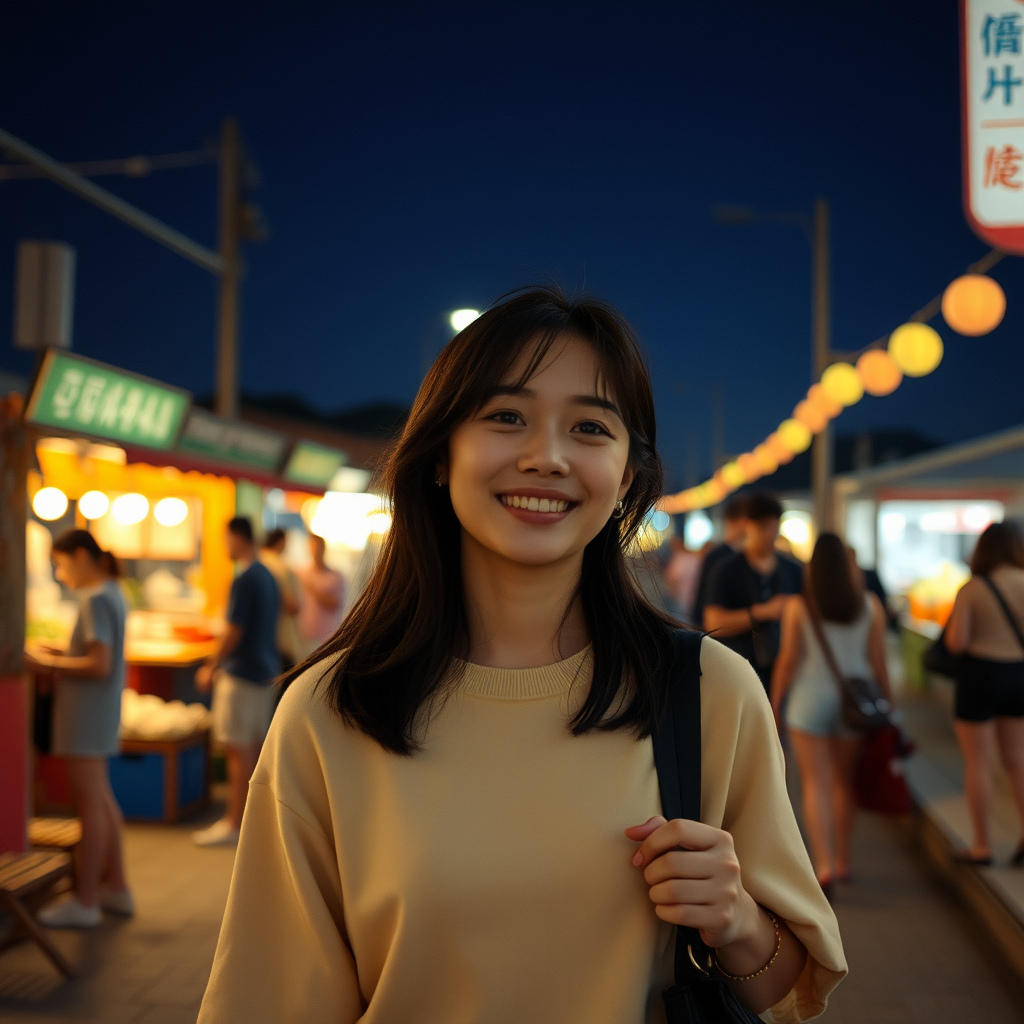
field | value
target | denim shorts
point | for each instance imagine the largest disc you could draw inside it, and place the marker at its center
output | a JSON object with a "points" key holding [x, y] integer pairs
{"points": [[815, 707]]}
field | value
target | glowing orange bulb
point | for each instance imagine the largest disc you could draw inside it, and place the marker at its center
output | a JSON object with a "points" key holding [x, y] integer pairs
{"points": [[811, 416], [767, 460], [973, 305], [818, 396], [878, 372]]}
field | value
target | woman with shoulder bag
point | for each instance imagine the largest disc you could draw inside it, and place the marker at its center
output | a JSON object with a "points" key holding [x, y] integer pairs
{"points": [[852, 623], [444, 822], [985, 628]]}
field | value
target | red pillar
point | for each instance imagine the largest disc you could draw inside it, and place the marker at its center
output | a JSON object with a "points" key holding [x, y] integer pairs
{"points": [[14, 716]]}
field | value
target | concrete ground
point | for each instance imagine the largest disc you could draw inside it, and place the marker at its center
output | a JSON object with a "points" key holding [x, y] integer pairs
{"points": [[152, 969]]}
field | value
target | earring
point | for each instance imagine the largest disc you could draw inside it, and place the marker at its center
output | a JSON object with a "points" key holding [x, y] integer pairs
{"points": [[439, 482], [619, 511]]}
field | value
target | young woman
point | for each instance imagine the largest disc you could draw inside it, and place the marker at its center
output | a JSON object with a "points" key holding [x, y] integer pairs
{"points": [[990, 690], [853, 623], [86, 719], [445, 823]]}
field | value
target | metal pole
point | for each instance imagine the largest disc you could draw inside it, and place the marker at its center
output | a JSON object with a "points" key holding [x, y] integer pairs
{"points": [[227, 298], [114, 205], [821, 452]]}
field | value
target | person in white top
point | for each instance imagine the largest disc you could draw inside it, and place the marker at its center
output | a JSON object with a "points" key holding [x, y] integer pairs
{"points": [[853, 623], [989, 705]]}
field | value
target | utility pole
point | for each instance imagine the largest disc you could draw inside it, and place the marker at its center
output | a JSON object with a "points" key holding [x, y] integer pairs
{"points": [[821, 451], [227, 292]]}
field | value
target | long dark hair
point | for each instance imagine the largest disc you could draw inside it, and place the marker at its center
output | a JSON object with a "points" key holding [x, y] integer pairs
{"points": [[73, 540], [830, 584], [399, 643], [1000, 544]]}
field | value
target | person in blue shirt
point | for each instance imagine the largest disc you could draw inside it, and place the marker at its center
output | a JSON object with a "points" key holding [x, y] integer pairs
{"points": [[242, 673]]}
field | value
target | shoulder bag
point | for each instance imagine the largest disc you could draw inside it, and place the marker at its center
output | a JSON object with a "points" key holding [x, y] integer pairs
{"points": [[938, 658], [864, 706], [700, 995], [1006, 610]]}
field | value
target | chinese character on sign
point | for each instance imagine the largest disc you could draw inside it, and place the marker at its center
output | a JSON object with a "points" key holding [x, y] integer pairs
{"points": [[1001, 35], [67, 393], [1002, 167], [1007, 83]]}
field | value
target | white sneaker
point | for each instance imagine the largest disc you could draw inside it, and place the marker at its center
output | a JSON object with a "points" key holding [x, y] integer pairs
{"points": [[69, 914], [117, 902], [220, 833]]}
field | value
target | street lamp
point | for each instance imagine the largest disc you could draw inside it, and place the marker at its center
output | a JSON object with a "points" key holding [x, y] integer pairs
{"points": [[815, 229]]}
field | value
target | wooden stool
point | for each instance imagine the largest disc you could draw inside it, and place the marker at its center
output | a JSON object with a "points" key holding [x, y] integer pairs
{"points": [[22, 876], [55, 833]]}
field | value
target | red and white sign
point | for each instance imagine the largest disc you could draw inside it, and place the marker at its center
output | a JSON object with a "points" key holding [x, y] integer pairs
{"points": [[992, 96]]}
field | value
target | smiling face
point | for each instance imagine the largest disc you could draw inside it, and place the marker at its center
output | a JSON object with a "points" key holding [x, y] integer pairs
{"points": [[535, 473]]}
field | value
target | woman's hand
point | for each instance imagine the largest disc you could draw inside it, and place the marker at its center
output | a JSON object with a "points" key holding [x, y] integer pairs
{"points": [[699, 885]]}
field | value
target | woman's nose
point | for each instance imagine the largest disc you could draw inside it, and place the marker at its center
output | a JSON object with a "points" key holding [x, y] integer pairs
{"points": [[544, 454]]}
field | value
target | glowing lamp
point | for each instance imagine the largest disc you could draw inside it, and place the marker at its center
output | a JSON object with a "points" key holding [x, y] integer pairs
{"points": [[93, 504], [778, 448], [767, 460], [749, 467], [732, 475], [842, 384], [462, 318], [973, 305], [714, 492], [816, 395], [795, 436], [916, 349], [879, 373], [811, 416], [129, 509], [50, 503], [170, 511]]}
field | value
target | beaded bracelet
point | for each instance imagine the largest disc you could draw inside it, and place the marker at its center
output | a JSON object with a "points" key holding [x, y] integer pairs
{"points": [[775, 955]]}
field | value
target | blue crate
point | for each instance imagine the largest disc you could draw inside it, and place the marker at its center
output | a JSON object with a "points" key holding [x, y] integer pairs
{"points": [[138, 784]]}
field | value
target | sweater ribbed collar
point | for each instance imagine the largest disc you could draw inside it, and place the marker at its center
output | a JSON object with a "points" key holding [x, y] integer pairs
{"points": [[524, 683]]}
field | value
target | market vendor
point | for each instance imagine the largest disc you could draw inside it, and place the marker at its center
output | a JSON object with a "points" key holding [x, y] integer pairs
{"points": [[86, 719]]}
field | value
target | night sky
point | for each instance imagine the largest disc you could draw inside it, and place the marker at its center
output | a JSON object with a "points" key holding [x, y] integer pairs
{"points": [[419, 158]]}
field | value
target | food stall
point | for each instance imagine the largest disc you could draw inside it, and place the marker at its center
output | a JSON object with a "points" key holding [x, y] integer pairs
{"points": [[917, 520], [155, 479]]}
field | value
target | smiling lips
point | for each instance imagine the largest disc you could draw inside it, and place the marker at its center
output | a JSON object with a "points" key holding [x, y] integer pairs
{"points": [[549, 505]]}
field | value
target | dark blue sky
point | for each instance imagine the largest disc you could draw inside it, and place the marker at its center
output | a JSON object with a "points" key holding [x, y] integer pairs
{"points": [[418, 158]]}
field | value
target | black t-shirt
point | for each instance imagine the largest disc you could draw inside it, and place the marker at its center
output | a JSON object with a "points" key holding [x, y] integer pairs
{"points": [[735, 584], [712, 560]]}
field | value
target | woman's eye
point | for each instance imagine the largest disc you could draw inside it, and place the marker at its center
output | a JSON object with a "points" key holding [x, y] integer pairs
{"points": [[590, 427], [506, 418]]}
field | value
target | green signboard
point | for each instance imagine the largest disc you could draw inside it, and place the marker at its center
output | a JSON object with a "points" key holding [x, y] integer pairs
{"points": [[228, 441], [313, 464], [80, 396]]}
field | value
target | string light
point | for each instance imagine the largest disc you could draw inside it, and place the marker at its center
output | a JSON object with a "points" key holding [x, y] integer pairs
{"points": [[973, 305], [879, 373], [916, 349], [842, 384]]}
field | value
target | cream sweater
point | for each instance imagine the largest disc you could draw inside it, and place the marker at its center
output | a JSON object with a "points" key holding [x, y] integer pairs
{"points": [[486, 880]]}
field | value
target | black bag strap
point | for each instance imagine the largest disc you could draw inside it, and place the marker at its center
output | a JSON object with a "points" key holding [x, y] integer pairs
{"points": [[677, 757], [1006, 611]]}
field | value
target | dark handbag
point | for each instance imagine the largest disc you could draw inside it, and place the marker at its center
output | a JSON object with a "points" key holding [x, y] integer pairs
{"points": [[864, 706], [878, 782], [938, 658], [700, 995]]}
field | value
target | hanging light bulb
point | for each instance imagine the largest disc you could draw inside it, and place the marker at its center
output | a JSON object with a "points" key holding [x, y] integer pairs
{"points": [[129, 509], [767, 460], [878, 372], [916, 349], [93, 504], [841, 383], [817, 395], [811, 416], [795, 436], [49, 503], [973, 305], [749, 467]]}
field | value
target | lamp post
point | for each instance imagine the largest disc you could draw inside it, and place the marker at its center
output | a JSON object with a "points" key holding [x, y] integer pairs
{"points": [[816, 230]]}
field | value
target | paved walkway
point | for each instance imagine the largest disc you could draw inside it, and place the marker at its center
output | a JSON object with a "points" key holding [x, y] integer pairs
{"points": [[149, 970]]}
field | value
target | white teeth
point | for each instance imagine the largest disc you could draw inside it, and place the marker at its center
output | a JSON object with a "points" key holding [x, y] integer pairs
{"points": [[535, 504]]}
